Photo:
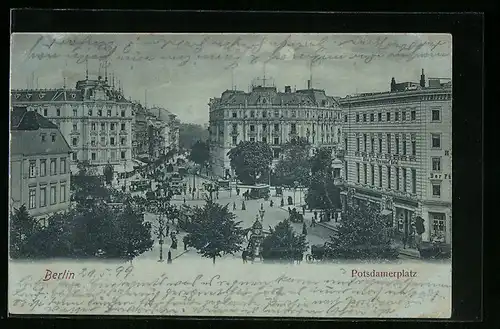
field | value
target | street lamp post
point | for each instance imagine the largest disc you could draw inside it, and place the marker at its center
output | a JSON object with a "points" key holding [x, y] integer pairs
{"points": [[262, 211], [295, 184], [160, 231]]}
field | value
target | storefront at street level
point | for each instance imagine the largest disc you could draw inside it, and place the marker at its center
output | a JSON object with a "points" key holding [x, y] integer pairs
{"points": [[401, 213]]}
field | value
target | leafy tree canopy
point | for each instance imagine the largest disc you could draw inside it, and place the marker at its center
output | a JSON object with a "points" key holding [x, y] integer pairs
{"points": [[322, 192], [200, 153], [190, 133], [322, 161], [213, 231], [295, 166], [363, 233], [283, 243], [251, 161]]}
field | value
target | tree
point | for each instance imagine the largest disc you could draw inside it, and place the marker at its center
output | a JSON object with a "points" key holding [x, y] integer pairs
{"points": [[108, 173], [322, 192], [283, 243], [363, 233], [87, 187], [321, 161], [54, 241], [295, 165], [251, 161], [190, 133], [94, 234], [134, 235], [22, 228], [213, 232], [200, 153]]}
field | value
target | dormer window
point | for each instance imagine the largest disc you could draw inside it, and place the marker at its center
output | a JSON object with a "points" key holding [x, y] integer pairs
{"points": [[53, 137], [28, 96], [43, 137], [73, 96], [41, 95], [109, 113]]}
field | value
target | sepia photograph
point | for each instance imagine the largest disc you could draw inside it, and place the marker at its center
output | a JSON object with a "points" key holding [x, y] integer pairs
{"points": [[248, 175]]}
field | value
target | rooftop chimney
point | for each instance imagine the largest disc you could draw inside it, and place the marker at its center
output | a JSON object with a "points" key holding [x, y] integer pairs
{"points": [[288, 89], [422, 79], [308, 84]]}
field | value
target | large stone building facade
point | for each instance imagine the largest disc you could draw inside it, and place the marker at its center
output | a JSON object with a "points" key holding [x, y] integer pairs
{"points": [[275, 117], [95, 118], [397, 149], [155, 131], [39, 165]]}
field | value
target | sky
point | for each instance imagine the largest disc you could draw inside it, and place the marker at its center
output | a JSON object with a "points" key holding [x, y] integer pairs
{"points": [[181, 72]]}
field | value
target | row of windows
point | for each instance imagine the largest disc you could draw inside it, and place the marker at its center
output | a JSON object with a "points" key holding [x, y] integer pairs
{"points": [[34, 171], [43, 137], [42, 201], [93, 141], [400, 144], [293, 127], [376, 180], [90, 112], [276, 140], [398, 172], [112, 126], [398, 116], [102, 156], [285, 113]]}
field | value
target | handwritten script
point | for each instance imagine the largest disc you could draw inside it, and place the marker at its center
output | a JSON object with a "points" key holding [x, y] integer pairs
{"points": [[125, 290], [233, 49]]}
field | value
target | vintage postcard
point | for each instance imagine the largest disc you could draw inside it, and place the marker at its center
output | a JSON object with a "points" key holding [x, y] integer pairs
{"points": [[248, 175]]}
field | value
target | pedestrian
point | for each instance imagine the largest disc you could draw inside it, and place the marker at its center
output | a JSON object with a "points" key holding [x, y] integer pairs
{"points": [[169, 257], [271, 203], [303, 209], [237, 191], [313, 222], [243, 207], [234, 205], [184, 200], [315, 215], [244, 256], [184, 241], [217, 194], [168, 230]]}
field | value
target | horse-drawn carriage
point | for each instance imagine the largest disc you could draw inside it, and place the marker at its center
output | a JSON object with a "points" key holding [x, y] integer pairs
{"points": [[319, 252], [295, 216]]}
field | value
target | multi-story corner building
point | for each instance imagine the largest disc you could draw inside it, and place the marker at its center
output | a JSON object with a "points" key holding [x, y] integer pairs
{"points": [[39, 165], [156, 132], [94, 117], [168, 126], [271, 116], [397, 148], [140, 140]]}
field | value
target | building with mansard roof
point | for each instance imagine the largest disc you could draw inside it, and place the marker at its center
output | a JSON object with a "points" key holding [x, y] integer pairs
{"points": [[397, 152], [268, 115], [95, 117], [39, 164]]}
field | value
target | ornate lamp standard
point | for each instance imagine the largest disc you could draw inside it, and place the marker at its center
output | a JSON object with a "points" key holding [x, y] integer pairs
{"points": [[256, 238]]}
